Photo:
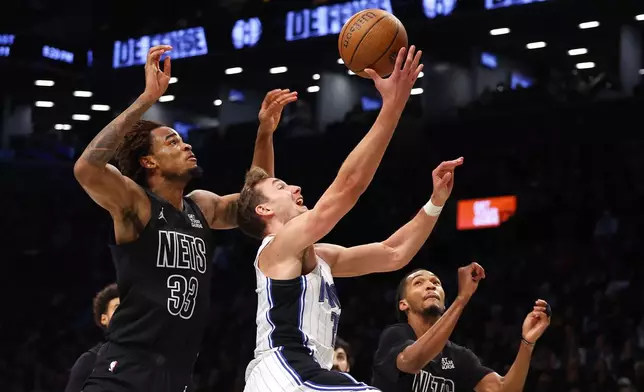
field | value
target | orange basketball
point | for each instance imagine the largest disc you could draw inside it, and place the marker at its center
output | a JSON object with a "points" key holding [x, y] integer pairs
{"points": [[371, 39]]}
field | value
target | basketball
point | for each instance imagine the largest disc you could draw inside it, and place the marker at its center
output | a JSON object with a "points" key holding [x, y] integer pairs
{"points": [[371, 39]]}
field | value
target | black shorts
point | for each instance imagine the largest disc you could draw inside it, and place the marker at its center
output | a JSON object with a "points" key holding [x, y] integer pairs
{"points": [[118, 369]]}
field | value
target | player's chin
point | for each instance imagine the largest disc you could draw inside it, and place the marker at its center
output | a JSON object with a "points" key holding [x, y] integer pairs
{"points": [[195, 171], [434, 309]]}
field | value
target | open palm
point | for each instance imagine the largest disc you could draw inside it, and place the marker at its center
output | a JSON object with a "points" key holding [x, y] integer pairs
{"points": [[271, 111], [157, 80]]}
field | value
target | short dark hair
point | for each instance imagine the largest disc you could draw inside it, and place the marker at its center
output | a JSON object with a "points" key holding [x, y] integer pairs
{"points": [[400, 295], [136, 144], [343, 344], [250, 197], [101, 301]]}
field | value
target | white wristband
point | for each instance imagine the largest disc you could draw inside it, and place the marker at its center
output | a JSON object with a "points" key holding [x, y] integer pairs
{"points": [[432, 210]]}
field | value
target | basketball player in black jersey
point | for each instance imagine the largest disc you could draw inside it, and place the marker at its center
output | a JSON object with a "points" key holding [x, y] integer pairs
{"points": [[417, 356], [103, 307], [162, 239]]}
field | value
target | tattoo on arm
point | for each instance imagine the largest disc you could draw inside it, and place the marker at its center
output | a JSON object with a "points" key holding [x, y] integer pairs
{"points": [[103, 147], [225, 214], [230, 213]]}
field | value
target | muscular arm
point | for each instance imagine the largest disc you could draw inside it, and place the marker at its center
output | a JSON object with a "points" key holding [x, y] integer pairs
{"points": [[103, 182], [514, 380], [264, 155], [416, 356], [389, 255], [221, 211]]}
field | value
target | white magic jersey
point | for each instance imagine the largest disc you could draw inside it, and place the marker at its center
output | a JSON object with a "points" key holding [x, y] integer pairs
{"points": [[299, 314]]}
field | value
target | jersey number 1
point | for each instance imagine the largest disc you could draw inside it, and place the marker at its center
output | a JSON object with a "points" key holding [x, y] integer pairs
{"points": [[183, 295]]}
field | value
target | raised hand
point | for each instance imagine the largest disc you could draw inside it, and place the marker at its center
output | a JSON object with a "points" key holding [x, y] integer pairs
{"points": [[397, 87], [468, 280], [443, 180], [272, 106], [157, 80], [536, 322]]}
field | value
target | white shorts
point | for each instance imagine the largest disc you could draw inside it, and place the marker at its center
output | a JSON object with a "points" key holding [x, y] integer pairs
{"points": [[273, 372]]}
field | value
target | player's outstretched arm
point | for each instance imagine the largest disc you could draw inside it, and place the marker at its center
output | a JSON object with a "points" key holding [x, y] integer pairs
{"points": [[417, 355], [400, 248], [221, 211], [534, 326], [359, 168], [103, 182]]}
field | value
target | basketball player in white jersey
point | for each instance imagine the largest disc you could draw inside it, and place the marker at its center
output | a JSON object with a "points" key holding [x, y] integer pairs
{"points": [[298, 308]]}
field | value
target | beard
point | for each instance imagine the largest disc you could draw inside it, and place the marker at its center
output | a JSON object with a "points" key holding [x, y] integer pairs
{"points": [[434, 311], [195, 172], [192, 173]]}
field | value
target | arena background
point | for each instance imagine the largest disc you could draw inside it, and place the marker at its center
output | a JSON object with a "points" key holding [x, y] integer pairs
{"points": [[557, 132]]}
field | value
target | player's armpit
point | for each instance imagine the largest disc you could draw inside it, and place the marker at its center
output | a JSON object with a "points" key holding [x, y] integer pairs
{"points": [[359, 260], [492, 382], [110, 189], [220, 211]]}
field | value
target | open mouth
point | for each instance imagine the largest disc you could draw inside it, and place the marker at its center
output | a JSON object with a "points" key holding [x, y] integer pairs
{"points": [[434, 296], [299, 201]]}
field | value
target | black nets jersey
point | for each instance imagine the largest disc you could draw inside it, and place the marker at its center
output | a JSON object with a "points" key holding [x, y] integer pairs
{"points": [[455, 369], [164, 283]]}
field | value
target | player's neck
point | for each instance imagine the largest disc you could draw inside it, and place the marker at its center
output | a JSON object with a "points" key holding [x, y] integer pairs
{"points": [[170, 191], [421, 323]]}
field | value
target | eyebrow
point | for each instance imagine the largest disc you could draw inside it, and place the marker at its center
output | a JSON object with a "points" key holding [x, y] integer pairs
{"points": [[171, 135], [275, 181]]}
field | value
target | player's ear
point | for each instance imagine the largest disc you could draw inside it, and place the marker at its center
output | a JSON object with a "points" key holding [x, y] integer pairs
{"points": [[104, 320], [403, 305], [148, 162], [264, 210]]}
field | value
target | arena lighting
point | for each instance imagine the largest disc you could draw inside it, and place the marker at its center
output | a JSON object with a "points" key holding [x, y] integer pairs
{"points": [[173, 80], [421, 74], [218, 102], [233, 71], [340, 61], [81, 117], [641, 71], [83, 94], [350, 72], [577, 52], [100, 108], [501, 31], [62, 127], [44, 104], [277, 70], [416, 91], [313, 89], [166, 98], [589, 25], [536, 45], [639, 17], [586, 65], [316, 76], [44, 83]]}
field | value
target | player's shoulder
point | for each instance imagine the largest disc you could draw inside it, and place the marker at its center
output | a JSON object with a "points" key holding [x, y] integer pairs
{"points": [[396, 332]]}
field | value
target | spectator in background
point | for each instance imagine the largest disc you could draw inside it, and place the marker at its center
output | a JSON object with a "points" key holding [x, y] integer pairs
{"points": [[105, 303], [342, 356]]}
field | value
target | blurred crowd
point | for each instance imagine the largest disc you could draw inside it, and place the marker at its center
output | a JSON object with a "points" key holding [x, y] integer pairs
{"points": [[574, 241]]}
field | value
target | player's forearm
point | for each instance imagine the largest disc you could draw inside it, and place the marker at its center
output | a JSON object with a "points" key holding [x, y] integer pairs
{"points": [[427, 347], [264, 156], [514, 380], [408, 240], [361, 164], [103, 147]]}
